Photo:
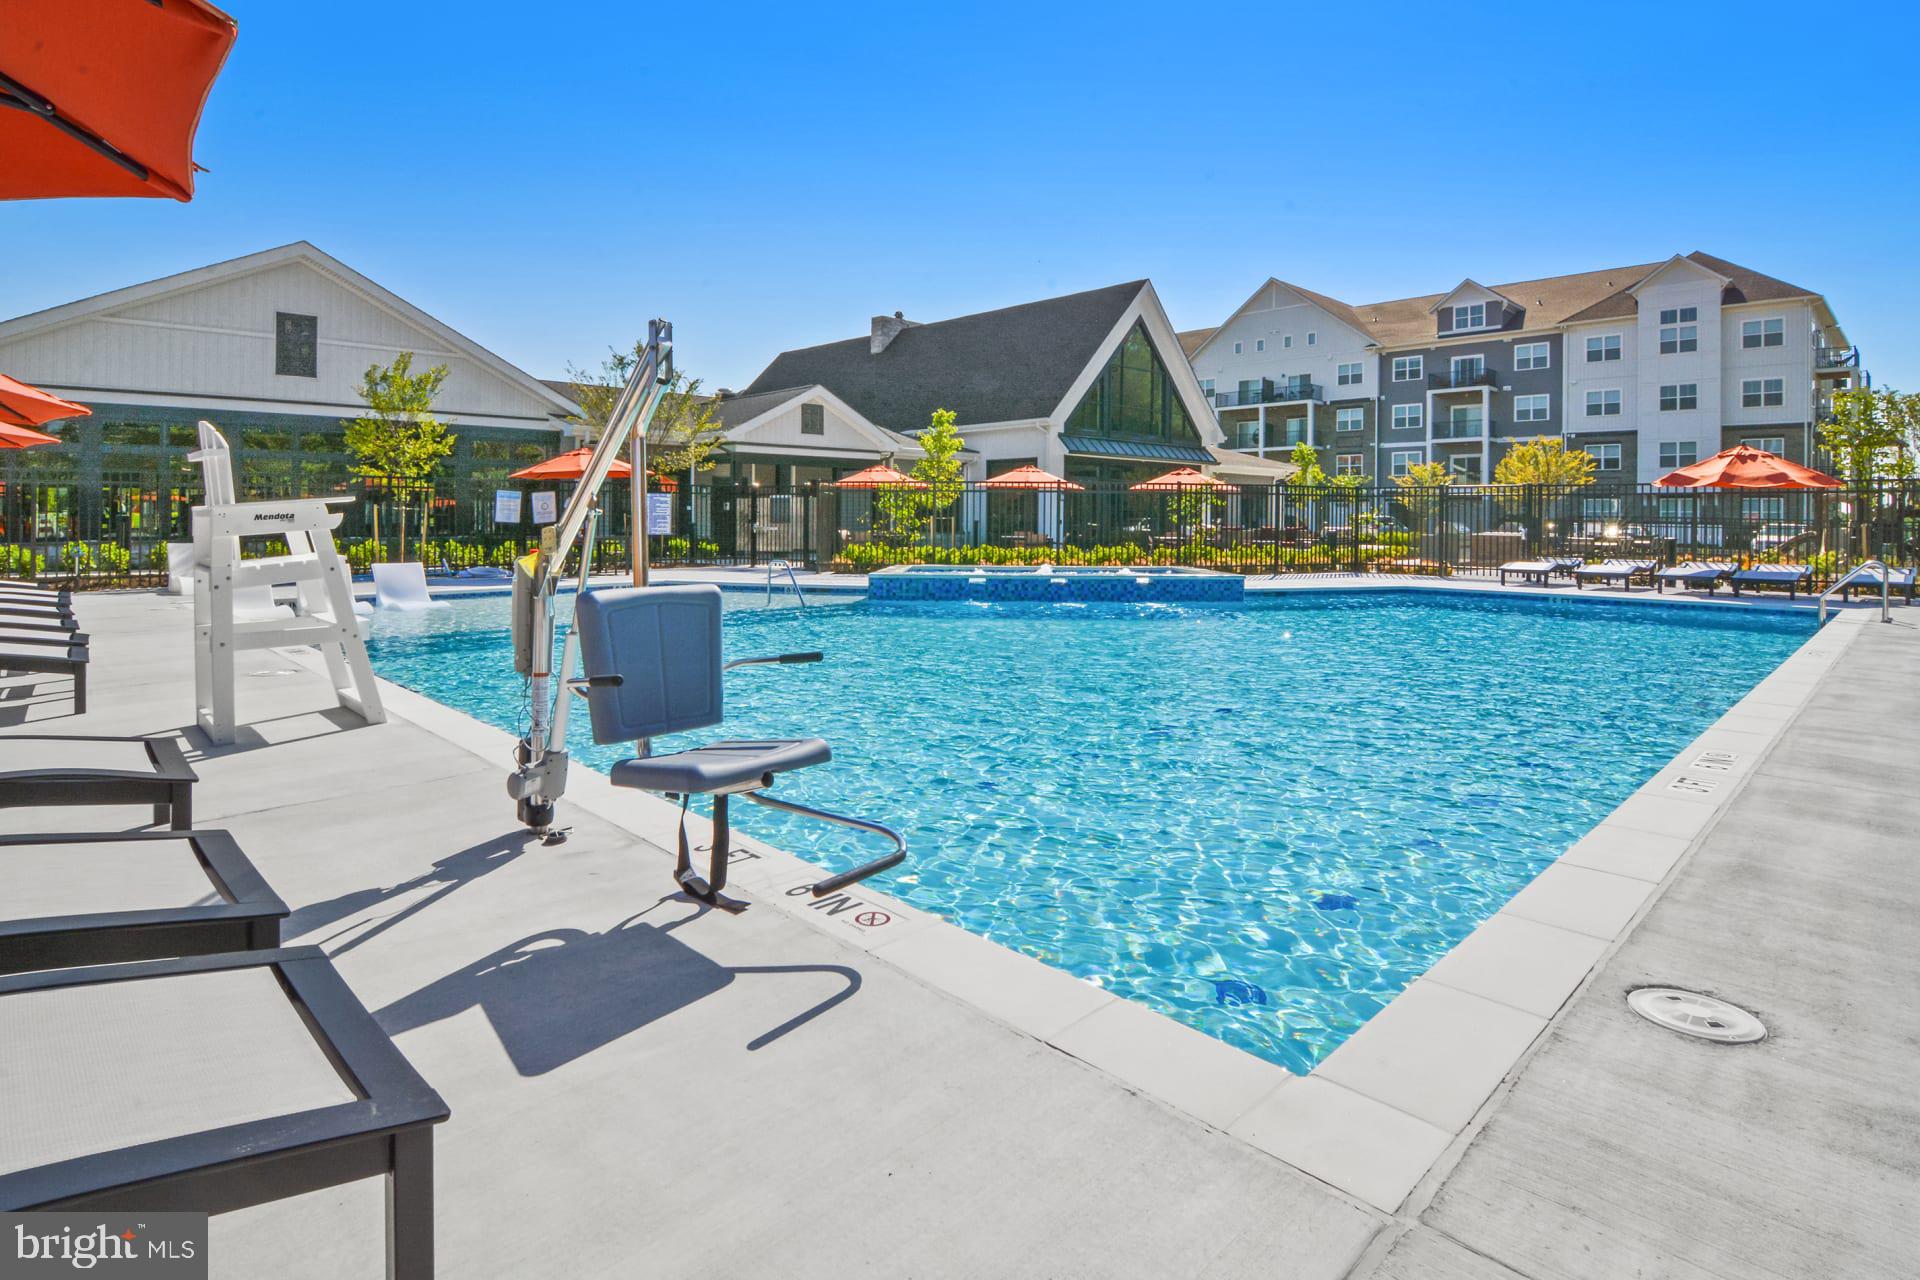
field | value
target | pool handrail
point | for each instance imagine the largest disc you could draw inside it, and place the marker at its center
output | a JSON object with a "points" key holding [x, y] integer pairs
{"points": [[1886, 576]]}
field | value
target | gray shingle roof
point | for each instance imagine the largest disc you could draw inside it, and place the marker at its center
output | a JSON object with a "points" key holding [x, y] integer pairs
{"points": [[734, 410], [995, 366]]}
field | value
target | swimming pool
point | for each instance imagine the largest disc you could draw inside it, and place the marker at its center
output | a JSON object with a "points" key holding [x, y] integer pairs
{"points": [[1264, 820]]}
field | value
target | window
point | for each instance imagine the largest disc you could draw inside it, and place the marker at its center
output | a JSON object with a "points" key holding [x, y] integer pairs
{"points": [[1252, 391], [296, 345], [1532, 408], [813, 420], [1409, 417], [1763, 509], [1311, 335], [1349, 419], [1471, 316], [1606, 347], [1759, 393], [1259, 344], [1465, 465], [1463, 420], [1675, 339], [1606, 457], [1401, 461], [1771, 444], [1467, 369], [1409, 368], [1679, 315], [1350, 464], [1348, 375], [1206, 387], [1679, 395], [1286, 342], [1678, 453], [1531, 355], [1603, 404], [1236, 348], [1763, 333], [1135, 397]]}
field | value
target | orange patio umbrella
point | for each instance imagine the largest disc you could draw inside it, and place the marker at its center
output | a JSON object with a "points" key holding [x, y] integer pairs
{"points": [[1030, 477], [22, 407], [1744, 467], [1180, 479], [102, 97], [879, 476], [570, 465]]}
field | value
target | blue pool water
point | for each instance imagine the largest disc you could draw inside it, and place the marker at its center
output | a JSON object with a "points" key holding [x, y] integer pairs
{"points": [[1264, 820]]}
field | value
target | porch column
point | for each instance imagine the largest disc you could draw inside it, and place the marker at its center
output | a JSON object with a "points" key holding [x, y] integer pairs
{"points": [[1260, 440]]}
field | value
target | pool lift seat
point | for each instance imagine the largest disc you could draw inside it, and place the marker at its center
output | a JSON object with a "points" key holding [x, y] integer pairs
{"points": [[652, 666]]}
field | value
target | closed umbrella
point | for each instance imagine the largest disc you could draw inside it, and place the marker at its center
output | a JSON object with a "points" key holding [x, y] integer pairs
{"points": [[102, 97]]}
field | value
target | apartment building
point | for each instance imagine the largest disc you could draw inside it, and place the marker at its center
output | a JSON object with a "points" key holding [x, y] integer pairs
{"points": [[1647, 367]]}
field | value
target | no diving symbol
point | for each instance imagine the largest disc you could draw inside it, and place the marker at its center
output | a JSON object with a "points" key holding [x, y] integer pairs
{"points": [[872, 919]]}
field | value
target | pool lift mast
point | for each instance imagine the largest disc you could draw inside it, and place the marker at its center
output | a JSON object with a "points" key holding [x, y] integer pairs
{"points": [[540, 777]]}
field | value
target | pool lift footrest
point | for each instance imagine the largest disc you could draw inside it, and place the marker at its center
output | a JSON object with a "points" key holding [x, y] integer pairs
{"points": [[707, 889]]}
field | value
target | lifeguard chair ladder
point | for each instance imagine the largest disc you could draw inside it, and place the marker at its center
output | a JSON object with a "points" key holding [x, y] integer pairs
{"points": [[322, 615]]}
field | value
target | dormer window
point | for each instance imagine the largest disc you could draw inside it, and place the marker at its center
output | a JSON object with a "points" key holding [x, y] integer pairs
{"points": [[1471, 316]]}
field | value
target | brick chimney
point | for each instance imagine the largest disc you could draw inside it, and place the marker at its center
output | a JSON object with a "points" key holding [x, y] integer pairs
{"points": [[885, 330]]}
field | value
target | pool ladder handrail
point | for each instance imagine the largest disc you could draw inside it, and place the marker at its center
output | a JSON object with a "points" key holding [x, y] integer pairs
{"points": [[780, 566], [1886, 576]]}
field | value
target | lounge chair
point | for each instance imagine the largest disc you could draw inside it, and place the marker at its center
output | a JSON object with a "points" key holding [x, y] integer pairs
{"points": [[1609, 570], [59, 625], [21, 595], [1540, 569], [1693, 574], [402, 586], [39, 658], [34, 611], [1791, 576], [133, 895], [55, 769], [653, 667], [58, 637], [213, 1083], [1900, 582]]}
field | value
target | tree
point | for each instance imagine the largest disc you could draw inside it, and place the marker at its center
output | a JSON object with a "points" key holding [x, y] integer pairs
{"points": [[398, 440], [1427, 475], [1873, 432], [1544, 460], [939, 469], [1307, 458], [684, 434]]}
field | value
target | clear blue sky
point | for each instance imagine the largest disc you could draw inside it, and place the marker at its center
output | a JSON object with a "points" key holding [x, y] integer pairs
{"points": [[545, 178]]}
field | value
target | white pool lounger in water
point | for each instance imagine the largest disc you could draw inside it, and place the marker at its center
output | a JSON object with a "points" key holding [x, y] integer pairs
{"points": [[402, 586]]}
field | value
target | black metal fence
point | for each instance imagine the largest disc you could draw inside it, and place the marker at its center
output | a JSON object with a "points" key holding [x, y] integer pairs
{"points": [[1250, 528]]}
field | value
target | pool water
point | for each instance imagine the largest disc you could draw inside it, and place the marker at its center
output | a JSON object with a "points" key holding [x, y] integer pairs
{"points": [[1264, 820]]}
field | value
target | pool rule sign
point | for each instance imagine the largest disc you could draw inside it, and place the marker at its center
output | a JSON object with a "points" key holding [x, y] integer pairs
{"points": [[659, 513]]}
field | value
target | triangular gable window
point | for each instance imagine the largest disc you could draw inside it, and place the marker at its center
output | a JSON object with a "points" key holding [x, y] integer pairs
{"points": [[1134, 398]]}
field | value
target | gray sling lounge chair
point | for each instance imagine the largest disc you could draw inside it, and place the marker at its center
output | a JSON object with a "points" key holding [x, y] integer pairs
{"points": [[131, 895], [653, 667], [1791, 576], [37, 768], [11, 634], [1609, 570], [38, 658], [34, 611], [1900, 582], [1694, 573], [209, 1084]]}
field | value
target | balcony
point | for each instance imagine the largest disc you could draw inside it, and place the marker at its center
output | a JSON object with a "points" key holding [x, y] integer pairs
{"points": [[1462, 379], [1245, 436], [1270, 391], [1836, 357], [1475, 428]]}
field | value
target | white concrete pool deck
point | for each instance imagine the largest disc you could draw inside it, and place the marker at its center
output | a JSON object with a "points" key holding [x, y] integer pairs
{"points": [[970, 1111]]}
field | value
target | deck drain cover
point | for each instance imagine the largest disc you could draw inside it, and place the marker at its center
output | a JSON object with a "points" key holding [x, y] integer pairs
{"points": [[1692, 1014]]}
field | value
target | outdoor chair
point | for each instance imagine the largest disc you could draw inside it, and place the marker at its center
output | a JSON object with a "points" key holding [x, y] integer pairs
{"points": [[55, 769], [1625, 571], [1791, 576], [134, 895], [209, 1084], [402, 586], [651, 657], [39, 658], [1900, 582], [34, 611], [1538, 570], [1693, 574], [13, 634]]}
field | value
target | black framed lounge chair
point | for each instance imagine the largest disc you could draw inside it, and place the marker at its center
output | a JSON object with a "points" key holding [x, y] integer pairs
{"points": [[39, 658], [1791, 576], [11, 634], [1622, 571], [209, 1084], [1527, 571], [1900, 582], [129, 895], [34, 610], [57, 769], [38, 626], [652, 661], [1693, 575]]}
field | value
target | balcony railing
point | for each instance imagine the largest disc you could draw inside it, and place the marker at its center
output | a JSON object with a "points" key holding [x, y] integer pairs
{"points": [[1458, 379], [1836, 357], [1269, 391], [1280, 435], [1470, 429]]}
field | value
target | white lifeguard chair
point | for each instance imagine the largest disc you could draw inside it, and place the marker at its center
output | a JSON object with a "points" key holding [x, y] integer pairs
{"points": [[322, 614]]}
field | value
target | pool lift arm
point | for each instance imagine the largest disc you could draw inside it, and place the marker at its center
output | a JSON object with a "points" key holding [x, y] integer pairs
{"points": [[540, 775]]}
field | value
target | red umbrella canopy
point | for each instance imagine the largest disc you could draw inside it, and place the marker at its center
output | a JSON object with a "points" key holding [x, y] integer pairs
{"points": [[1179, 479], [878, 476], [570, 465], [1744, 467], [25, 406], [1030, 477], [102, 97]]}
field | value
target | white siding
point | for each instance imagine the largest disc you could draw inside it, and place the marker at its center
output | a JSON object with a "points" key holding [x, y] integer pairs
{"points": [[1583, 377], [1677, 287], [1791, 362], [1277, 314], [780, 432]]}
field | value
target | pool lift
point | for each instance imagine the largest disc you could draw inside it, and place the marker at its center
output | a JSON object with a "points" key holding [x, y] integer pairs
{"points": [[681, 638]]}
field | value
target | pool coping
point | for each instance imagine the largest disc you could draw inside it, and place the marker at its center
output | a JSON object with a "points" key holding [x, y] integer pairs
{"points": [[1402, 1095]]}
